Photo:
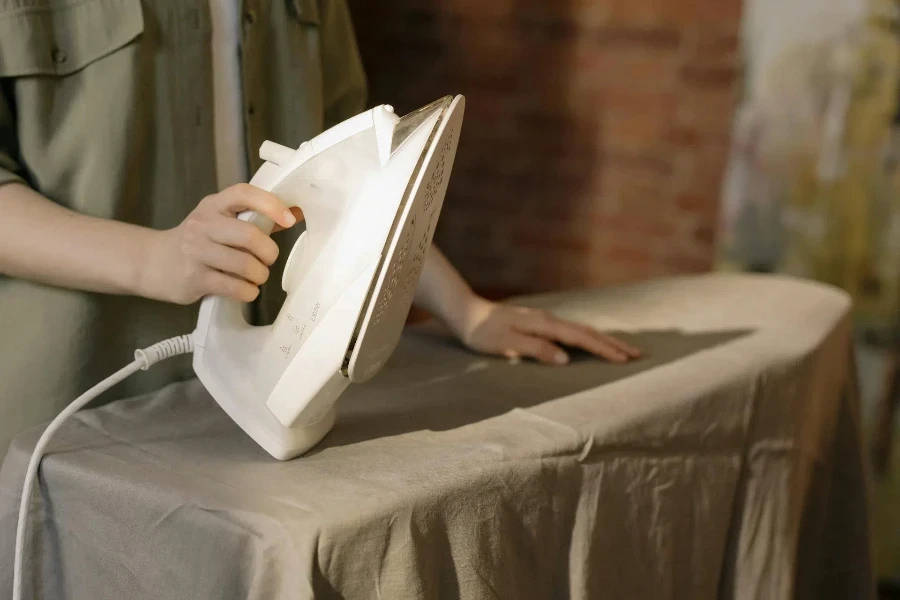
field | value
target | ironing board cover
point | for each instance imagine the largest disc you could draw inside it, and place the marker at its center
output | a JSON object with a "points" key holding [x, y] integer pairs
{"points": [[727, 464]]}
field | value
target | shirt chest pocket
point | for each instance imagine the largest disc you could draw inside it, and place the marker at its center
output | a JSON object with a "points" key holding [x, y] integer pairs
{"points": [[66, 78], [61, 37]]}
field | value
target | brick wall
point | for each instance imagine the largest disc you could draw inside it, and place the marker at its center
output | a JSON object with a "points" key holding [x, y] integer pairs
{"points": [[596, 131]]}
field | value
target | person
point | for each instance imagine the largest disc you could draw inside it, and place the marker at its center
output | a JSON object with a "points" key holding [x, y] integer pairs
{"points": [[125, 137]]}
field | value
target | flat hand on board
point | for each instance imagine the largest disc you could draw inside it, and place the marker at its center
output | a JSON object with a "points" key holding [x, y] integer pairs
{"points": [[515, 331]]}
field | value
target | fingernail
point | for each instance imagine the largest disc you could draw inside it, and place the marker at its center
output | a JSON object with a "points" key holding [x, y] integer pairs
{"points": [[560, 358], [289, 218]]}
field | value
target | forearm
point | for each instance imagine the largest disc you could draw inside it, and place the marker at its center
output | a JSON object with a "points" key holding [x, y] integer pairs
{"points": [[443, 292], [44, 242]]}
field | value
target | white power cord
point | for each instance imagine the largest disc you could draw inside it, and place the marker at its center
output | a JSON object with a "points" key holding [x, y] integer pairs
{"points": [[143, 360]]}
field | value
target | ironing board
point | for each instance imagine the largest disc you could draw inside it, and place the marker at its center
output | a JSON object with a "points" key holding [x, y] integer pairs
{"points": [[726, 464]]}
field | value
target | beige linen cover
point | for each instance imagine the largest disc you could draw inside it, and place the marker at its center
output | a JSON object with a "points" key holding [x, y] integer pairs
{"points": [[727, 464]]}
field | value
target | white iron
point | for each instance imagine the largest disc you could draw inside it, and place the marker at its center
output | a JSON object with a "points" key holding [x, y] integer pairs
{"points": [[371, 190]]}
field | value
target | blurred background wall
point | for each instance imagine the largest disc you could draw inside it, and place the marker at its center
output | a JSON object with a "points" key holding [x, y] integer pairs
{"points": [[614, 140], [596, 132]]}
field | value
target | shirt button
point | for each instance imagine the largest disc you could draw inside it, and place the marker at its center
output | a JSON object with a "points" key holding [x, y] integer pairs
{"points": [[251, 110], [249, 17], [58, 56]]}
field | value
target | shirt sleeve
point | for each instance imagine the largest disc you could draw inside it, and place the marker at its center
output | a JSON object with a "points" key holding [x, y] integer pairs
{"points": [[10, 169], [345, 82]]}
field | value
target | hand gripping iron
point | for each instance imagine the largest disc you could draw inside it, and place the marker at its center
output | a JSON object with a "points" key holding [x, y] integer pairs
{"points": [[371, 190]]}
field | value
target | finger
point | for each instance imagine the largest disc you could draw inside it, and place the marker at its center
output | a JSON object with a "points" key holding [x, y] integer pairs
{"points": [[243, 235], [603, 338], [571, 334], [298, 214], [536, 348], [244, 196], [625, 347], [220, 284], [234, 262]]}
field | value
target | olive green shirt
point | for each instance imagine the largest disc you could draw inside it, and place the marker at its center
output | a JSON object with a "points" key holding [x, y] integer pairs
{"points": [[106, 107]]}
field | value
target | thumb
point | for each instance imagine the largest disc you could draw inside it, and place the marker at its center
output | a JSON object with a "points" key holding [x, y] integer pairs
{"points": [[298, 214]]}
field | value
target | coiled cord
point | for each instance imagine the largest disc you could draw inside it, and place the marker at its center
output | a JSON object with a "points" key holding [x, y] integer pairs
{"points": [[182, 344]]}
